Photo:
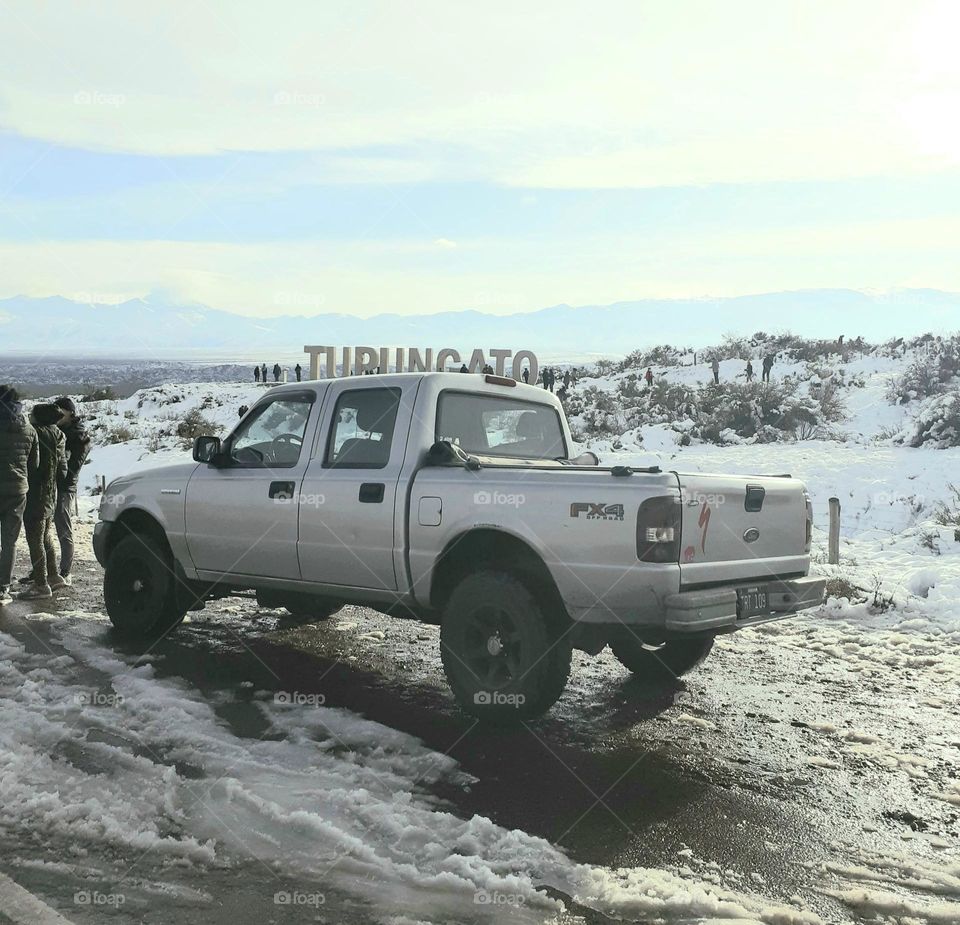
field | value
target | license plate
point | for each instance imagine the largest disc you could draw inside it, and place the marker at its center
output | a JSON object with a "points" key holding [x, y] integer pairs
{"points": [[752, 601]]}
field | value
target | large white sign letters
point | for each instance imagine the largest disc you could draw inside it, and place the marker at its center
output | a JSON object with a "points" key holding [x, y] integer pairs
{"points": [[360, 360]]}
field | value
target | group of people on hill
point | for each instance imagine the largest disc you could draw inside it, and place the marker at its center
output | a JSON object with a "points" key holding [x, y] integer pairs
{"points": [[40, 462], [261, 373], [767, 365]]}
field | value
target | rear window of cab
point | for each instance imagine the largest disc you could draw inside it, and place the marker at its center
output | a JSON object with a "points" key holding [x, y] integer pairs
{"points": [[489, 425]]}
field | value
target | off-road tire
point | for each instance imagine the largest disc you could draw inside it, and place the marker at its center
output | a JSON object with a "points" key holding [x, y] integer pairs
{"points": [[527, 676], [664, 665], [139, 588]]}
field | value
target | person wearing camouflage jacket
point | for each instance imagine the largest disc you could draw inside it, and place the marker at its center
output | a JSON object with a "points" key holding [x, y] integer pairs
{"points": [[19, 457], [42, 502], [78, 448]]}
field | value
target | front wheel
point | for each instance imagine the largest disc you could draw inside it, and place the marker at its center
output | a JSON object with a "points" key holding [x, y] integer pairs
{"points": [[505, 658], [139, 587], [664, 664]]}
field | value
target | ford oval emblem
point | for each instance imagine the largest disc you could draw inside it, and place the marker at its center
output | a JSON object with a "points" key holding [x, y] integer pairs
{"points": [[751, 535]]}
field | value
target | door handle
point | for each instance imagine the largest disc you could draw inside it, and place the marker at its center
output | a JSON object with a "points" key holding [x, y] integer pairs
{"points": [[371, 492], [281, 491]]}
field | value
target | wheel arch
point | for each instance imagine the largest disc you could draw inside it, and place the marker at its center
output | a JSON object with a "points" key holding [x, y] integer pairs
{"points": [[137, 521], [490, 547]]}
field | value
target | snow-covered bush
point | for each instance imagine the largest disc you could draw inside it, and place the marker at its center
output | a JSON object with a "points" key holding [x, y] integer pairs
{"points": [[196, 425], [761, 412], [938, 423], [937, 364]]}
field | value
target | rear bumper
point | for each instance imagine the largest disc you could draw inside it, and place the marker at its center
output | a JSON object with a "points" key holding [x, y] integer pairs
{"points": [[716, 609]]}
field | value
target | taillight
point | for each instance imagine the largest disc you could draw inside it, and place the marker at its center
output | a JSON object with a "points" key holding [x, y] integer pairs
{"points": [[808, 537], [658, 529]]}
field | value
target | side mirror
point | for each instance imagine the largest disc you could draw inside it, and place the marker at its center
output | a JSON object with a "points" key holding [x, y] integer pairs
{"points": [[586, 458], [205, 449]]}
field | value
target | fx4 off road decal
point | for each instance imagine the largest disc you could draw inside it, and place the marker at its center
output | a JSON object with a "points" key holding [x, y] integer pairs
{"points": [[594, 511]]}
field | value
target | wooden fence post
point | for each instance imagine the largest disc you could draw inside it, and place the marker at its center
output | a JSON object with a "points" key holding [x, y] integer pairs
{"points": [[833, 550]]}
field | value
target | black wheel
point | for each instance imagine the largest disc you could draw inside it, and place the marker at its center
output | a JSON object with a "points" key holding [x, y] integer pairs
{"points": [[506, 659], [664, 664], [139, 588], [304, 608]]}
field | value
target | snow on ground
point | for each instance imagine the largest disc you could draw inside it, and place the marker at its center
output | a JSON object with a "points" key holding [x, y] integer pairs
{"points": [[99, 754]]}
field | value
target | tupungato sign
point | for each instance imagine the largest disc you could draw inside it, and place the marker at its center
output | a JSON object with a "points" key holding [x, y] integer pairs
{"points": [[359, 360]]}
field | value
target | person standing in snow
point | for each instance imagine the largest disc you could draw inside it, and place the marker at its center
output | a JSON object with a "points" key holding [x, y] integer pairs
{"points": [[767, 366], [525, 375], [77, 443], [276, 372], [256, 373], [749, 371], [298, 369], [487, 370], [44, 576], [19, 458], [715, 366], [648, 375], [263, 373]]}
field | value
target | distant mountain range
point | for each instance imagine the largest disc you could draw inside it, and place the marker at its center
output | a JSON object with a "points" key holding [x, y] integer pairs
{"points": [[153, 325]]}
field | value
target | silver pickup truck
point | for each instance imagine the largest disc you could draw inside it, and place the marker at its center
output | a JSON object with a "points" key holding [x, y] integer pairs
{"points": [[453, 498]]}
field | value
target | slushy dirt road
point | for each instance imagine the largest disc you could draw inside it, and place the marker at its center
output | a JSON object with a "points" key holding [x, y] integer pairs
{"points": [[811, 764]]}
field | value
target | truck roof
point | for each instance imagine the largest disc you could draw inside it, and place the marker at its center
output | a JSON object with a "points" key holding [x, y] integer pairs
{"points": [[494, 385]]}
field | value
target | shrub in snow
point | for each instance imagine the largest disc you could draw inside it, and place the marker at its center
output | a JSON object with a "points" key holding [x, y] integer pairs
{"points": [[730, 412], [938, 423], [196, 425], [930, 373], [119, 433]]}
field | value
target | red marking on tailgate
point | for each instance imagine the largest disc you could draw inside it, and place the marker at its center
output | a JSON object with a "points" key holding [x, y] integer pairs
{"points": [[703, 523]]}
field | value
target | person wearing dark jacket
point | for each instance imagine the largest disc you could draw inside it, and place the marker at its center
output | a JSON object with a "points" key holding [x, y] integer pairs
{"points": [[19, 458], [767, 366], [78, 448], [298, 369], [42, 503], [256, 373], [276, 372], [263, 373]]}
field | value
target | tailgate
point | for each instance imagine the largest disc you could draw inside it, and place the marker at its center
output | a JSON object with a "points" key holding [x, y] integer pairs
{"points": [[739, 528]]}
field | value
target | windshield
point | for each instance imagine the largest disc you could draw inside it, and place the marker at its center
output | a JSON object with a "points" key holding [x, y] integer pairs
{"points": [[492, 426]]}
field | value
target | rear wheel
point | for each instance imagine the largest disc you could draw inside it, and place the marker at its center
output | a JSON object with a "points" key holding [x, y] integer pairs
{"points": [[663, 664], [506, 659], [304, 608], [139, 587]]}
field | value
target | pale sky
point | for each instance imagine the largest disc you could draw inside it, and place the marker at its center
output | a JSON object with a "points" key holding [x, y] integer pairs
{"points": [[370, 157]]}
